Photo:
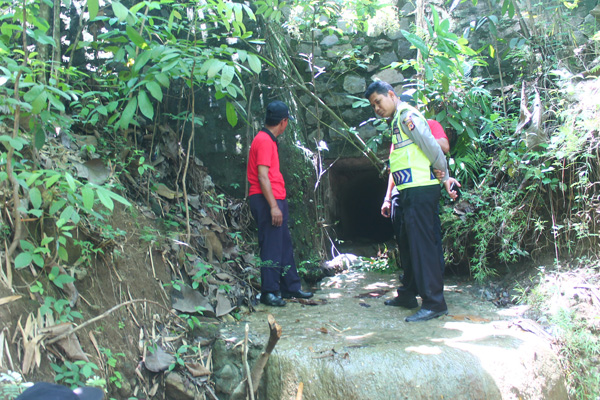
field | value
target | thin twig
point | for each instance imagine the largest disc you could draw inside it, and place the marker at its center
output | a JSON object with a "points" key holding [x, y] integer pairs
{"points": [[103, 315], [245, 360], [300, 390], [152, 262], [187, 158]]}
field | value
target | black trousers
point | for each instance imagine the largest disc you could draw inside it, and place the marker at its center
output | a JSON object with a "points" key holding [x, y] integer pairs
{"points": [[278, 271], [416, 221]]}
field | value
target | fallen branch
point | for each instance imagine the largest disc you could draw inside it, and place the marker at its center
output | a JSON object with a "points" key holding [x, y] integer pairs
{"points": [[99, 317], [257, 370]]}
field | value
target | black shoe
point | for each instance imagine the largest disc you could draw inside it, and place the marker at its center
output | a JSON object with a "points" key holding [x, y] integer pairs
{"points": [[271, 299], [299, 294], [402, 301], [424, 315]]}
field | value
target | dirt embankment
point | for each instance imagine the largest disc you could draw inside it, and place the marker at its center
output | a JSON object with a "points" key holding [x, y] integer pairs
{"points": [[127, 317]]}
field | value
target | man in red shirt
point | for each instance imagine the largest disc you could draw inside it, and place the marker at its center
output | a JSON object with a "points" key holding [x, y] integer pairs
{"points": [[268, 204]]}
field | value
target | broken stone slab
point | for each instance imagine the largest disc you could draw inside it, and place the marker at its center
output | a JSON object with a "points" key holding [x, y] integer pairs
{"points": [[158, 360], [177, 388], [189, 300]]}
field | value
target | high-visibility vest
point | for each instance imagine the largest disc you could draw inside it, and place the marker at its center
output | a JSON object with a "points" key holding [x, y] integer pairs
{"points": [[409, 166]]}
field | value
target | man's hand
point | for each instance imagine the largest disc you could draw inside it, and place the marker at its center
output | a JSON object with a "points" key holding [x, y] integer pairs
{"points": [[439, 174], [386, 207], [276, 216], [448, 185]]}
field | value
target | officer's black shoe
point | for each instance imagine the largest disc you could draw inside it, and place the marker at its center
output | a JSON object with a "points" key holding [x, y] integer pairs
{"points": [[299, 294], [402, 301], [425, 315], [271, 299]]}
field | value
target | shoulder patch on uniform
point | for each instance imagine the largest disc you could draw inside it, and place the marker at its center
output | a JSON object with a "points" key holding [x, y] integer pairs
{"points": [[409, 123]]}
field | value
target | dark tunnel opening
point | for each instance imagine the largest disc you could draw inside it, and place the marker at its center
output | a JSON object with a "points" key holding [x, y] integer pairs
{"points": [[357, 192]]}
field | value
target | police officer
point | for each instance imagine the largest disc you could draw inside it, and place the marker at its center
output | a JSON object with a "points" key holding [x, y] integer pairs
{"points": [[414, 155]]}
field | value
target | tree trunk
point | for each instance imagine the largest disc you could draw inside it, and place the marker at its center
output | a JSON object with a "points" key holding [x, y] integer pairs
{"points": [[43, 49], [56, 34]]}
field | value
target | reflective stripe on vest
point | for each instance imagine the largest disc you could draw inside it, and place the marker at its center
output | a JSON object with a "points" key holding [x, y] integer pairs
{"points": [[409, 165]]}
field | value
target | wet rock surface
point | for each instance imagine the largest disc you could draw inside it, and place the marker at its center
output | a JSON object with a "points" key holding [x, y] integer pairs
{"points": [[352, 346]]}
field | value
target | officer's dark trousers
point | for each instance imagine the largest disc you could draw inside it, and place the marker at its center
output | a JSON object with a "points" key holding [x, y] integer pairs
{"points": [[278, 271], [417, 227]]}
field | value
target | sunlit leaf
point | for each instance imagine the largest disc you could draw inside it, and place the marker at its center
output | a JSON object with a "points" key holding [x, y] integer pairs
{"points": [[56, 206], [105, 199], [215, 67], [63, 254], [445, 84], [92, 8], [254, 63], [38, 260], [142, 59], [242, 55], [39, 103], [145, 105], [155, 90], [120, 11], [36, 197], [63, 279], [227, 75], [88, 197], [417, 42], [128, 113], [136, 38], [55, 102], [118, 198], [70, 181], [23, 260], [232, 117], [163, 79]]}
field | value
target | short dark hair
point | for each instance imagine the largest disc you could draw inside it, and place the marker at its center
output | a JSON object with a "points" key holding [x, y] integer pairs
{"points": [[380, 87]]}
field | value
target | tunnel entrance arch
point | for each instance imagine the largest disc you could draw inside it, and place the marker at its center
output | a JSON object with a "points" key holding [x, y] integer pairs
{"points": [[356, 192]]}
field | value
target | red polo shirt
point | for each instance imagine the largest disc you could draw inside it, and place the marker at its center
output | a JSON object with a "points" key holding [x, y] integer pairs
{"points": [[436, 130], [263, 151]]}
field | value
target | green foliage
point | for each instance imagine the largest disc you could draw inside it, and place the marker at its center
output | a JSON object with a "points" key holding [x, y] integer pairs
{"points": [[580, 346], [88, 252], [558, 298], [76, 374], [114, 377], [191, 320], [149, 234], [11, 385], [181, 352], [215, 202], [306, 16], [497, 231], [59, 309], [377, 264], [59, 279], [57, 196], [203, 272], [450, 92], [156, 55]]}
